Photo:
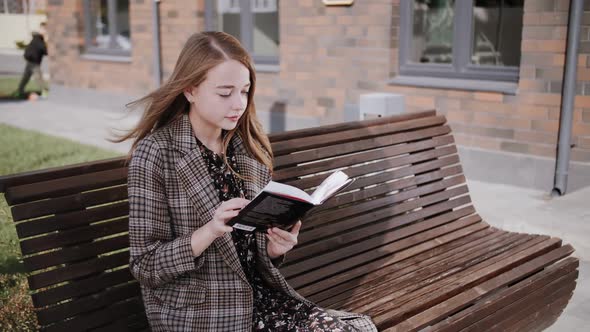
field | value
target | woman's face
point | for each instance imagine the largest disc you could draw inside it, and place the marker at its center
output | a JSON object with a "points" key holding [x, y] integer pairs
{"points": [[220, 100]]}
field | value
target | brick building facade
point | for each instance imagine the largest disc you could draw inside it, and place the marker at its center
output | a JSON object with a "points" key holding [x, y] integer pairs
{"points": [[330, 55]]}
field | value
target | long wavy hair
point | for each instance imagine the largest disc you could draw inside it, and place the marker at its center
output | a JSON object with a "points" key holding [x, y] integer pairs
{"points": [[166, 104]]}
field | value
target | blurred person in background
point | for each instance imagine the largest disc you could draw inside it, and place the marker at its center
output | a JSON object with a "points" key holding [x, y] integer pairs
{"points": [[34, 53]]}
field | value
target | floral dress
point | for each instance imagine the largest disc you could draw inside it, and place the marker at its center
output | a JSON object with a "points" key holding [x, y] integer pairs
{"points": [[273, 310]]}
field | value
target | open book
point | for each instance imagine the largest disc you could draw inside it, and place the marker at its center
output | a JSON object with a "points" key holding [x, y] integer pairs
{"points": [[281, 205]]}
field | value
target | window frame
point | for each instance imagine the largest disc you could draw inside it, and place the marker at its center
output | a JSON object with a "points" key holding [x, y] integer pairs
{"points": [[246, 30], [460, 68], [112, 15]]}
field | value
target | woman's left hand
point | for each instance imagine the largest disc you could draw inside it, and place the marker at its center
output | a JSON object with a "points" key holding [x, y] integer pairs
{"points": [[281, 241]]}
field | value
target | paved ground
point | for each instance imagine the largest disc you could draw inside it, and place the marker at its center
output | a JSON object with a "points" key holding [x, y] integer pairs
{"points": [[12, 62], [83, 124], [81, 118]]}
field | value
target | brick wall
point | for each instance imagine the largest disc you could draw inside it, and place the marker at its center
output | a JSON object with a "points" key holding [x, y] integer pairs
{"points": [[66, 51], [69, 67], [528, 121], [331, 55], [178, 21], [326, 54]]}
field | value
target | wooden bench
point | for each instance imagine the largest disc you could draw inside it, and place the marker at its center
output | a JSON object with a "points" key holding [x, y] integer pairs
{"points": [[403, 244]]}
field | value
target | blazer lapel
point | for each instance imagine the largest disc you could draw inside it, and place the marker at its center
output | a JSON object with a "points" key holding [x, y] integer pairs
{"points": [[198, 184]]}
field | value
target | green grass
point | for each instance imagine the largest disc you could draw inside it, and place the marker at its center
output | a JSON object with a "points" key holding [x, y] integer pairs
{"points": [[9, 252], [9, 84], [21, 151], [24, 150]]}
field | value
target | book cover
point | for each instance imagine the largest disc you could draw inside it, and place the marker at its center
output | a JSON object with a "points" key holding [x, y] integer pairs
{"points": [[281, 205]]}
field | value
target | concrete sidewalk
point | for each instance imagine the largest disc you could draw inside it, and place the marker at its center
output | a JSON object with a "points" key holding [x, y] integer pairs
{"points": [[85, 125], [508, 207], [12, 62], [89, 119]]}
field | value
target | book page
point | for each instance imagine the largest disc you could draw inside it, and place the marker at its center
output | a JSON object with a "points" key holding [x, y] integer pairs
{"points": [[329, 186], [287, 191]]}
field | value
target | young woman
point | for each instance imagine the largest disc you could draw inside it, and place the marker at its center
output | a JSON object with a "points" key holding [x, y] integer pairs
{"points": [[199, 156]]}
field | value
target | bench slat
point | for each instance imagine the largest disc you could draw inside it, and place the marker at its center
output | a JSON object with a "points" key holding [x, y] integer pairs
{"points": [[305, 132], [52, 173], [389, 314], [405, 215], [405, 253], [99, 317], [387, 218], [405, 287], [334, 236], [88, 303], [389, 184], [405, 174], [380, 166], [414, 297], [404, 177], [76, 253], [136, 322], [511, 313], [316, 268], [493, 303], [74, 236], [347, 282], [73, 202], [65, 186], [290, 160], [340, 137], [398, 151], [542, 312], [78, 270], [70, 220], [533, 284], [379, 208], [83, 287], [348, 203]]}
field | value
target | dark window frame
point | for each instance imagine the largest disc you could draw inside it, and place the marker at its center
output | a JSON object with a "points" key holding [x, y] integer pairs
{"points": [[246, 30], [460, 68], [112, 14]]}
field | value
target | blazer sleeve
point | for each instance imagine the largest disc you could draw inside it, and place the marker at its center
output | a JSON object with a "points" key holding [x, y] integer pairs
{"points": [[155, 257], [278, 262]]}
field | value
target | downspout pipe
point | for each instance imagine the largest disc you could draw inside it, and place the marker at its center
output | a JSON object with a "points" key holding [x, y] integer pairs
{"points": [[157, 66], [568, 94]]}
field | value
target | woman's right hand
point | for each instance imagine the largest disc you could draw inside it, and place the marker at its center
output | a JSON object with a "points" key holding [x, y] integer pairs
{"points": [[216, 227], [226, 211]]}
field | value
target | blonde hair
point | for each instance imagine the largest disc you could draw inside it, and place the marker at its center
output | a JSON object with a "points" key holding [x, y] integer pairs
{"points": [[201, 52]]}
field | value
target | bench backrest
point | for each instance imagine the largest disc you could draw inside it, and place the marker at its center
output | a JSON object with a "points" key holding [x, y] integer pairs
{"points": [[409, 189], [72, 222]]}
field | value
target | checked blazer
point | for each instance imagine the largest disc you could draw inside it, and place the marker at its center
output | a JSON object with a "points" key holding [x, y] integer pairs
{"points": [[171, 194]]}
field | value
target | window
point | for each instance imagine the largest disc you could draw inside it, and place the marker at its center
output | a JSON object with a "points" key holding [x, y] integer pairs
{"points": [[20, 7], [467, 39], [107, 27], [254, 22]]}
